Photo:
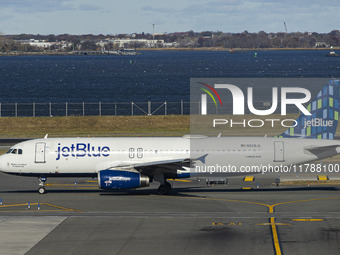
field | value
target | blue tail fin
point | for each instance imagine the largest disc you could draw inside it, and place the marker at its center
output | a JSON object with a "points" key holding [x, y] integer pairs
{"points": [[323, 122]]}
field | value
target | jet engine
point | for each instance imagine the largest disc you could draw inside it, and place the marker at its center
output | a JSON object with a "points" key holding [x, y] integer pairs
{"points": [[118, 179]]}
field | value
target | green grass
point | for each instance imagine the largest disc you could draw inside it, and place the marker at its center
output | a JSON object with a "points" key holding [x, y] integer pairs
{"points": [[94, 126], [156, 125]]}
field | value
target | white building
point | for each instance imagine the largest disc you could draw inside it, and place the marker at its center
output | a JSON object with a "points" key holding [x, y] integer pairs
{"points": [[121, 43], [37, 43], [44, 44]]}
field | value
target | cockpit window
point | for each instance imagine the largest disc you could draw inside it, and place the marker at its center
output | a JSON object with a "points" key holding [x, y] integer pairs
{"points": [[14, 151]]}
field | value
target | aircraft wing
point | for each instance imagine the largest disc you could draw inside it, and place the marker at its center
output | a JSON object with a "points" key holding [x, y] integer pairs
{"points": [[170, 164], [324, 151], [164, 166]]}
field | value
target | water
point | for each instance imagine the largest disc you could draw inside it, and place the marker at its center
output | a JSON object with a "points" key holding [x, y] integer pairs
{"points": [[151, 76]]}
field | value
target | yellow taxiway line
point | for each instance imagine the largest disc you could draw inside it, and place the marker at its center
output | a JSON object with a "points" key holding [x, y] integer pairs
{"points": [[180, 180], [308, 219], [273, 224], [271, 207], [275, 237], [61, 208]]}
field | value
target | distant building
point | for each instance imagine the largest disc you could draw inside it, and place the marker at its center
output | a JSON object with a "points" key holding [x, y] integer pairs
{"points": [[320, 45], [207, 35], [36, 43], [171, 45], [44, 44], [127, 42]]}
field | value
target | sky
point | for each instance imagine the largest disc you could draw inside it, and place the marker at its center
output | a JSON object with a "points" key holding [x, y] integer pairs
{"points": [[137, 16]]}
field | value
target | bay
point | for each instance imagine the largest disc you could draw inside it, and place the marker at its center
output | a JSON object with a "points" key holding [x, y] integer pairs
{"points": [[150, 76]]}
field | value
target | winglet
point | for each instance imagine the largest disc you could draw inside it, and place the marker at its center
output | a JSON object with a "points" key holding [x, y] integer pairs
{"points": [[46, 136], [202, 158]]}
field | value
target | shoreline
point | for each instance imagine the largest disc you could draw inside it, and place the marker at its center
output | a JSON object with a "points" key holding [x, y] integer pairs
{"points": [[231, 50]]}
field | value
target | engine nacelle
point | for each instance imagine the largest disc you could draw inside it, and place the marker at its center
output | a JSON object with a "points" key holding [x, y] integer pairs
{"points": [[118, 179]]}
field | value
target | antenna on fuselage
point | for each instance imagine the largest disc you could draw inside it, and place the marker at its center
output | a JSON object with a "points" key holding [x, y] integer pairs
{"points": [[45, 137]]}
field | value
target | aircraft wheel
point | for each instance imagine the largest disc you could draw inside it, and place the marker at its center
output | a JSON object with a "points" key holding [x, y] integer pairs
{"points": [[42, 190], [168, 186], [162, 190]]}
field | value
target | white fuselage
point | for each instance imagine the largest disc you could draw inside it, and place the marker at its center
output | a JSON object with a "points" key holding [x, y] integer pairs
{"points": [[87, 156]]}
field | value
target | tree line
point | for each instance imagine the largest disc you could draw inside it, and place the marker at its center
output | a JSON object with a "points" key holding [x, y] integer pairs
{"points": [[188, 39]]}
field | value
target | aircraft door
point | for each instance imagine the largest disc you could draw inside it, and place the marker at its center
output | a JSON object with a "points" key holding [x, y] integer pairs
{"points": [[40, 152], [279, 152]]}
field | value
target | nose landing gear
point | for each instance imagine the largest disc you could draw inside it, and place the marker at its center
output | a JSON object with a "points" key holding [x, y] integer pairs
{"points": [[42, 188]]}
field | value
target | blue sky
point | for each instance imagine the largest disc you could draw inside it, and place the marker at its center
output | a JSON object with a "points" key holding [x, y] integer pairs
{"points": [[129, 16]]}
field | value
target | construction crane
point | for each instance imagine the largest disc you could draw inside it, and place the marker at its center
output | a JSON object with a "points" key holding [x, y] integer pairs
{"points": [[284, 23]]}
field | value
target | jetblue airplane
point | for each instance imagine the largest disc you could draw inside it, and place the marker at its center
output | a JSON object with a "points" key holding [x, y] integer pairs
{"points": [[129, 163]]}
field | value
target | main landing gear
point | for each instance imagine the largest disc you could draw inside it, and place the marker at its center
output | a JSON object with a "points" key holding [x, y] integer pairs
{"points": [[164, 189], [42, 188]]}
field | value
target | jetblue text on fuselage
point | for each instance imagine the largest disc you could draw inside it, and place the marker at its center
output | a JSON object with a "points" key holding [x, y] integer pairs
{"points": [[82, 150]]}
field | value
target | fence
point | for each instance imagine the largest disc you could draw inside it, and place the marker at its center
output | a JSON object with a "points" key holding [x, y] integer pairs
{"points": [[116, 108], [93, 109]]}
